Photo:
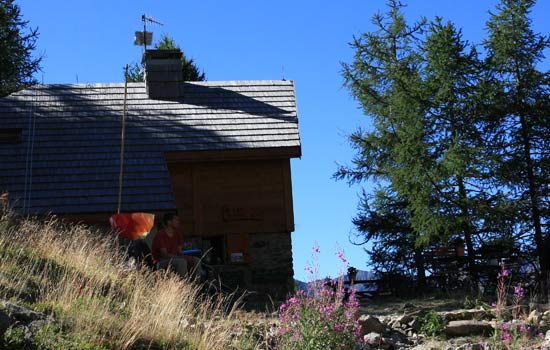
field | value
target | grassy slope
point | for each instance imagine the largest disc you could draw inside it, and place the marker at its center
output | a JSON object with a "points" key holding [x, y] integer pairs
{"points": [[79, 277]]}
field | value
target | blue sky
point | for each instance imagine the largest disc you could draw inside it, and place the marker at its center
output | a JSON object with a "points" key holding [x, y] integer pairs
{"points": [[89, 41]]}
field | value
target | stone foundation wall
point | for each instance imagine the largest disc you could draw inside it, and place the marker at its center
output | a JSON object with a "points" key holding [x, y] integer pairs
{"points": [[271, 270]]}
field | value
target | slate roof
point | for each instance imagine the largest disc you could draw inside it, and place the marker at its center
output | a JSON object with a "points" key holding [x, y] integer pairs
{"points": [[68, 157]]}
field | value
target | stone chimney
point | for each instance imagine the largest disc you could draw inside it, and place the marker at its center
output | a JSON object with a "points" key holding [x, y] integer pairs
{"points": [[163, 74]]}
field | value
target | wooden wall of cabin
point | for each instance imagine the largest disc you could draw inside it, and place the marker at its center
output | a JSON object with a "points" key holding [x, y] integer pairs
{"points": [[247, 205], [248, 196]]}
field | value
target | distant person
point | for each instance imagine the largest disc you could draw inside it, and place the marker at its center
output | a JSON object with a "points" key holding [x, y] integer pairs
{"points": [[168, 248]]}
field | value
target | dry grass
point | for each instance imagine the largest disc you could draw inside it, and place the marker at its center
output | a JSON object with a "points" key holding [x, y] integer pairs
{"points": [[80, 277]]}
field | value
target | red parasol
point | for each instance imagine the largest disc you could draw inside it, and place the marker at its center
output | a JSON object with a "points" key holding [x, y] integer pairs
{"points": [[132, 225]]}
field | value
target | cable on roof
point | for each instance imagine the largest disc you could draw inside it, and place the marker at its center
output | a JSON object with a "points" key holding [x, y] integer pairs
{"points": [[27, 192], [122, 140]]}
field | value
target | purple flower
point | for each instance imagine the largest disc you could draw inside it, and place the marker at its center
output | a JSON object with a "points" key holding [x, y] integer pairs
{"points": [[339, 327], [504, 273], [342, 257], [327, 309], [322, 312], [519, 291]]}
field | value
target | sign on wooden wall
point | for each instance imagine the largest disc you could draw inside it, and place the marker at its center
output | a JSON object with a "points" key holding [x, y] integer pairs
{"points": [[234, 196]]}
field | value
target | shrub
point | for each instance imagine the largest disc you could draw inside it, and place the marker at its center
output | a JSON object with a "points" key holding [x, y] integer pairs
{"points": [[432, 324], [322, 319], [517, 334]]}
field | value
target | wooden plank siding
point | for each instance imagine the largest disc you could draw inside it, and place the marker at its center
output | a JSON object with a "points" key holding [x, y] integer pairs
{"points": [[221, 197]]}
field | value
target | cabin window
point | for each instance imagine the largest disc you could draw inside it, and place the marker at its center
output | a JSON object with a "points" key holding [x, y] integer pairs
{"points": [[10, 135]]}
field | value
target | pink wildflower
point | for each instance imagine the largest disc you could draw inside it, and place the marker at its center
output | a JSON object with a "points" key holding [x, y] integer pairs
{"points": [[519, 291], [507, 337], [342, 257]]}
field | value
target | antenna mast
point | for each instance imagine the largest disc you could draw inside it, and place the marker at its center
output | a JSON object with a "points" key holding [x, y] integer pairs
{"points": [[145, 38]]}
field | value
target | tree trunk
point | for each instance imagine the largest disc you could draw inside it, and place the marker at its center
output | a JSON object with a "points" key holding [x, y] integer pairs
{"points": [[420, 268], [534, 204], [533, 193], [467, 231]]}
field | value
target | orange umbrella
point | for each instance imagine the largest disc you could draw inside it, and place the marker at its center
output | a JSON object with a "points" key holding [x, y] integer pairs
{"points": [[129, 225], [132, 225]]}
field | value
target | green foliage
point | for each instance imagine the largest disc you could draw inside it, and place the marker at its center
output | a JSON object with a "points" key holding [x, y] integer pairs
{"points": [[384, 220], [46, 337], [252, 336], [517, 334], [188, 67], [322, 320], [385, 78], [515, 52], [17, 43], [317, 323], [135, 73], [475, 303], [15, 337], [458, 142], [432, 324]]}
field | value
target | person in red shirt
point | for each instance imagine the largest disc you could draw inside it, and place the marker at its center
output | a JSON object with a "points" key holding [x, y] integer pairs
{"points": [[168, 246]]}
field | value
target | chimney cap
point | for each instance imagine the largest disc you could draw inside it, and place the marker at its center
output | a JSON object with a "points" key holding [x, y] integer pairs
{"points": [[162, 54]]}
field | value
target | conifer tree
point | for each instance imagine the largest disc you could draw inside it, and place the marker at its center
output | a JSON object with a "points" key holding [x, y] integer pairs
{"points": [[455, 120], [448, 165], [17, 43], [383, 220], [385, 78], [188, 67], [515, 53]]}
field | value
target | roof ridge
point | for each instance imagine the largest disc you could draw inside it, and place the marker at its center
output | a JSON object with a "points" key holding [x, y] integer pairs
{"points": [[134, 84]]}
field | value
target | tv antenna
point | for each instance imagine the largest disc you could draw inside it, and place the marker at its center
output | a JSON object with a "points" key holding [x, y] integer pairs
{"points": [[145, 38]]}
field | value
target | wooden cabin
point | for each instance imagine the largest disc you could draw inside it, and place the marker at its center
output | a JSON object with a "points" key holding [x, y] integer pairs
{"points": [[217, 152]]}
